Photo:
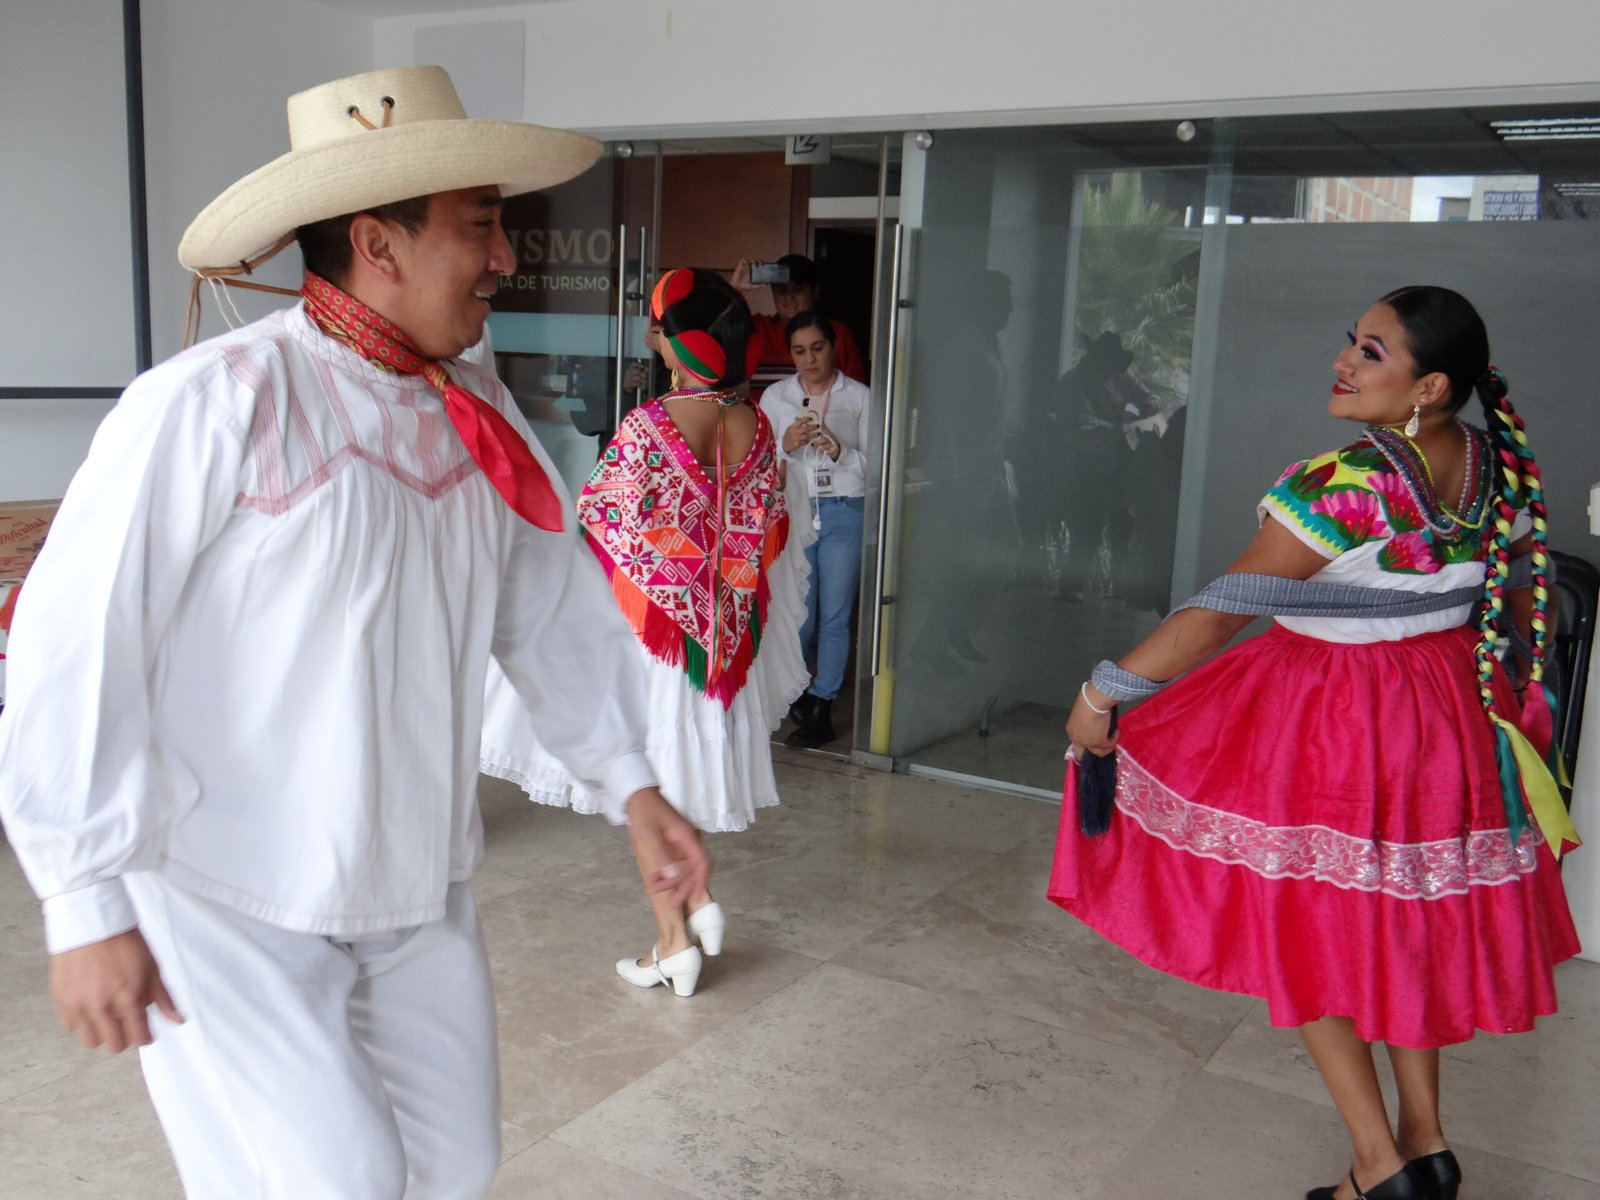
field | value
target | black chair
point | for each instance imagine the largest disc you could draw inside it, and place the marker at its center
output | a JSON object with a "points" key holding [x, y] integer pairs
{"points": [[1577, 584]]}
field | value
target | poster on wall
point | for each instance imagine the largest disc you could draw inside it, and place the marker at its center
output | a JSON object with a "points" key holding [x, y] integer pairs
{"points": [[23, 526]]}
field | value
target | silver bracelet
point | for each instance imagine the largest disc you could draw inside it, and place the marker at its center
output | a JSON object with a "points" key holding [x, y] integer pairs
{"points": [[1083, 690]]}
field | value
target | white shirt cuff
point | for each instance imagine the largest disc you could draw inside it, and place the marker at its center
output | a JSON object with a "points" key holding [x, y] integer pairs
{"points": [[89, 914], [625, 776]]}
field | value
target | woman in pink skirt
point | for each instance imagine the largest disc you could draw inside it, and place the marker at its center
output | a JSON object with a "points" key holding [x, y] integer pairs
{"points": [[1335, 815]]}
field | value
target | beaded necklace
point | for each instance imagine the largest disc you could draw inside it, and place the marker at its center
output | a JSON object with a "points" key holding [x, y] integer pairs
{"points": [[710, 395], [1406, 457]]}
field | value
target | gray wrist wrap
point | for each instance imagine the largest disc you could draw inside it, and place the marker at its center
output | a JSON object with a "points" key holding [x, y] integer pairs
{"points": [[1122, 685]]}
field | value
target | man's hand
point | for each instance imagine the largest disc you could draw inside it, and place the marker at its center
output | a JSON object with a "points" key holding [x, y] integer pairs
{"points": [[672, 859], [741, 277], [102, 992]]}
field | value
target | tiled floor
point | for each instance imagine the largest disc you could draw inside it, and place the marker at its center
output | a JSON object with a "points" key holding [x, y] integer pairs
{"points": [[899, 1014]]}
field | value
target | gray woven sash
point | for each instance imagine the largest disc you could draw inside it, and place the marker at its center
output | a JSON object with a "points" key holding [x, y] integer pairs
{"points": [[1248, 595]]}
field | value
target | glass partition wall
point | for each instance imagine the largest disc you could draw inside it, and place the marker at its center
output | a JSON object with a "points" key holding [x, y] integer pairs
{"points": [[1111, 340]]}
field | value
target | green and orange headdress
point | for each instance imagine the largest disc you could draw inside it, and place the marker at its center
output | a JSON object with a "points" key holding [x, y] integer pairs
{"points": [[707, 324]]}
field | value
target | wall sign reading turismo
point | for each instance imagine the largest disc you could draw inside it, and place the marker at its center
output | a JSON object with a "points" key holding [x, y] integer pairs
{"points": [[566, 259]]}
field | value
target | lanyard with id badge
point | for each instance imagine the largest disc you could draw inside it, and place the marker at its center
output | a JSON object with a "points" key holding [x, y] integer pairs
{"points": [[821, 464]]}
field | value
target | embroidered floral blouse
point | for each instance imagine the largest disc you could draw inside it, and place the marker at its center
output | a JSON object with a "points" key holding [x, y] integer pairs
{"points": [[1353, 507]]}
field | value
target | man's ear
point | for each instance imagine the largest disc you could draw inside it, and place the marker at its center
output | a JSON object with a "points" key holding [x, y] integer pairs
{"points": [[373, 242]]}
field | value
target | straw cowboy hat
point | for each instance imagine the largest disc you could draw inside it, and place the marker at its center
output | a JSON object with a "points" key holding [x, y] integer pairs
{"points": [[372, 139]]}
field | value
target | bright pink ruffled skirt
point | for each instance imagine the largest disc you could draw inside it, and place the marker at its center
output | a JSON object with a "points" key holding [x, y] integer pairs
{"points": [[1321, 825]]}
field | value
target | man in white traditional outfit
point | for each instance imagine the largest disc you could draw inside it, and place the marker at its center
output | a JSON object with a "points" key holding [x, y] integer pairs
{"points": [[238, 758]]}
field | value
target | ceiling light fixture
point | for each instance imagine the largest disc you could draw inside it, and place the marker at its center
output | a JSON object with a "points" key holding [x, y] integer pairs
{"points": [[1547, 129]]}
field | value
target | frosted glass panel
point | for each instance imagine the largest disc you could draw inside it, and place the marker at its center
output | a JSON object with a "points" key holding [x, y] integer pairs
{"points": [[1115, 343], [1053, 319]]}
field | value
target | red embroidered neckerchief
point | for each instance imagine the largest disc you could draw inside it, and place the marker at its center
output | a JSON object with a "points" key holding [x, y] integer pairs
{"points": [[495, 445]]}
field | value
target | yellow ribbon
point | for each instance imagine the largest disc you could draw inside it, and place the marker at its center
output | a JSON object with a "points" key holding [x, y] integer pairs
{"points": [[1544, 798]]}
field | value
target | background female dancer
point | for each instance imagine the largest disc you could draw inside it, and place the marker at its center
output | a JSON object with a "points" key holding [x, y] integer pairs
{"points": [[1333, 815], [686, 515]]}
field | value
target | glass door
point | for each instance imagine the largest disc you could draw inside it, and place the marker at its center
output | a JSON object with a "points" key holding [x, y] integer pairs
{"points": [[1044, 304], [569, 320], [1110, 339]]}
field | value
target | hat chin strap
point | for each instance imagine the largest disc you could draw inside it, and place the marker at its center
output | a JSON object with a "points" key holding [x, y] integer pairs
{"points": [[231, 277]]}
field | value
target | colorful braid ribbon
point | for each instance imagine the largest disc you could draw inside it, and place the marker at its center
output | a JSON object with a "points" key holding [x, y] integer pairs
{"points": [[1532, 775]]}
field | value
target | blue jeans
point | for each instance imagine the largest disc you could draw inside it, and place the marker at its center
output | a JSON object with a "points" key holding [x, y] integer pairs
{"points": [[835, 559]]}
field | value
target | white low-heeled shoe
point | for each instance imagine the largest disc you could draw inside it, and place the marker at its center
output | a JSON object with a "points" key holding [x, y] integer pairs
{"points": [[681, 970], [707, 923]]}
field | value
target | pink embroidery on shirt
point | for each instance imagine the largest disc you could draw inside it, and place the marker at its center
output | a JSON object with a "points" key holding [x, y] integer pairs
{"points": [[291, 437]]}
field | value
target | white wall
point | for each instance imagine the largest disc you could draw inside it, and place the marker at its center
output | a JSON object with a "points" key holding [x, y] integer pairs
{"points": [[66, 249], [42, 442], [1533, 282], [216, 75], [641, 68]]}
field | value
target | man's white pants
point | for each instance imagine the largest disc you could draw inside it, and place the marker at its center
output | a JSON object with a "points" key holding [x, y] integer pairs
{"points": [[316, 1069]]}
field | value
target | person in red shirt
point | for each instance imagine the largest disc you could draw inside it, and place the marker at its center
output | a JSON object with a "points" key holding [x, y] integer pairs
{"points": [[790, 299]]}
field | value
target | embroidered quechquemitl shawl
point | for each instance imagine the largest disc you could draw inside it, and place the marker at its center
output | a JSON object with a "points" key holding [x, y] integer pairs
{"points": [[691, 581]]}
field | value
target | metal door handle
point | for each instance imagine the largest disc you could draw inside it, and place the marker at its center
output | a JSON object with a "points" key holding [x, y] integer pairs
{"points": [[622, 316], [642, 296], [891, 381]]}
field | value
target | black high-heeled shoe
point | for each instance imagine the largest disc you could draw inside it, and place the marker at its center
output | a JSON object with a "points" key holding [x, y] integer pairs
{"points": [[1441, 1175], [1408, 1183]]}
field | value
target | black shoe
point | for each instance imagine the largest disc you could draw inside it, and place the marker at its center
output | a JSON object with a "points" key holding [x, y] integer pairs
{"points": [[1441, 1175], [1405, 1184], [816, 729], [801, 708]]}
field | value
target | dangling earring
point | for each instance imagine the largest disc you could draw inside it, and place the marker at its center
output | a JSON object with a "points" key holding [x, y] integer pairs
{"points": [[1415, 424]]}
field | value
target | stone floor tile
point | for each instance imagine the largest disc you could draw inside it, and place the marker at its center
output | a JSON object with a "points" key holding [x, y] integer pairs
{"points": [[1531, 1097], [846, 1085], [571, 1031], [993, 938], [1221, 1137], [836, 890], [97, 1124], [34, 1050], [550, 1171]]}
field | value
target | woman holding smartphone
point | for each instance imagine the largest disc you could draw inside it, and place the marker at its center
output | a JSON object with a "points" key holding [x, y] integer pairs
{"points": [[819, 416]]}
